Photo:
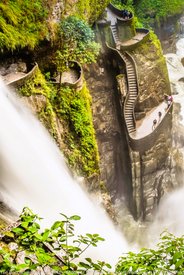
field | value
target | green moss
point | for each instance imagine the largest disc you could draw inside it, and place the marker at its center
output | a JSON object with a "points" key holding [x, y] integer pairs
{"points": [[38, 86], [72, 107], [90, 10], [3, 224], [23, 23], [160, 61], [150, 10]]}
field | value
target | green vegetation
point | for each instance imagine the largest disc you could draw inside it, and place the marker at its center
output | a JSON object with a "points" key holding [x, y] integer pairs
{"points": [[23, 23], [167, 258], [160, 61], [39, 86], [123, 4], [90, 10], [128, 5], [74, 107], [73, 110], [150, 10], [41, 249], [58, 248], [76, 43]]}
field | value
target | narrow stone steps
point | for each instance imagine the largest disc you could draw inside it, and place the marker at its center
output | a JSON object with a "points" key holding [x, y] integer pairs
{"points": [[131, 127], [129, 120], [132, 90], [132, 131], [132, 84]]}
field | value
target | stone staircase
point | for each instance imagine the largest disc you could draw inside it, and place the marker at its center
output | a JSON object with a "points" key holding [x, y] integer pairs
{"points": [[132, 93], [137, 142], [132, 84], [115, 34]]}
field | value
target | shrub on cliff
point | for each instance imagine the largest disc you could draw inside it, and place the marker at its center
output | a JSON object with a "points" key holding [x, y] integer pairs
{"points": [[76, 43], [151, 10]]}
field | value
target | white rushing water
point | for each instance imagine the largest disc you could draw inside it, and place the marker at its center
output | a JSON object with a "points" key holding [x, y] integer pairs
{"points": [[33, 173]]}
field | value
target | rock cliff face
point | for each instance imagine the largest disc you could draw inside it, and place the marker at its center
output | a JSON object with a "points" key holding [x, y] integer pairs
{"points": [[115, 166], [140, 179], [153, 178]]}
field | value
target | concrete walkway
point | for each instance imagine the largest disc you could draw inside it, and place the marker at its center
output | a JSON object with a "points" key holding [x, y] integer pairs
{"points": [[12, 77], [145, 127], [138, 37], [70, 76]]}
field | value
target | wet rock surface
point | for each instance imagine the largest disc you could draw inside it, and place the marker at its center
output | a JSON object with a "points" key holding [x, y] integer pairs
{"points": [[110, 132]]}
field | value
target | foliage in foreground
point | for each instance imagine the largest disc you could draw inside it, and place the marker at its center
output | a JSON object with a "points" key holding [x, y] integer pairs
{"points": [[57, 248], [51, 249], [167, 258]]}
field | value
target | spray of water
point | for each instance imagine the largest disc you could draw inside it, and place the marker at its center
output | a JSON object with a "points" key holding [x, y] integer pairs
{"points": [[34, 174]]}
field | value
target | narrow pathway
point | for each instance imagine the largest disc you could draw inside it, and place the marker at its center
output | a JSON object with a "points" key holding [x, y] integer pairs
{"points": [[132, 95], [115, 35], [12, 77], [138, 37], [111, 17], [145, 126]]}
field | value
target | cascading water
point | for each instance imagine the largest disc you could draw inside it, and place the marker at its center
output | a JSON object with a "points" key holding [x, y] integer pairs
{"points": [[33, 173]]}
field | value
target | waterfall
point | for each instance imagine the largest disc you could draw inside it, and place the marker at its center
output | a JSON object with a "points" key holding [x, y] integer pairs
{"points": [[33, 173]]}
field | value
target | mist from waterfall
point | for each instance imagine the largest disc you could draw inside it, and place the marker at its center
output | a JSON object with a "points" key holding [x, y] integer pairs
{"points": [[34, 174]]}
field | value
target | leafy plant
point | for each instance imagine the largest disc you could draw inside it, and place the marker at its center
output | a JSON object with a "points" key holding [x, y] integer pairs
{"points": [[56, 248], [75, 108], [90, 10], [150, 10], [76, 43], [168, 258]]}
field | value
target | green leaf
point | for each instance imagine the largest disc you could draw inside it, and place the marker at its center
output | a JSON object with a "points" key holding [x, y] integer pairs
{"points": [[75, 217], [56, 225], [179, 263], [45, 235], [87, 266]]}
